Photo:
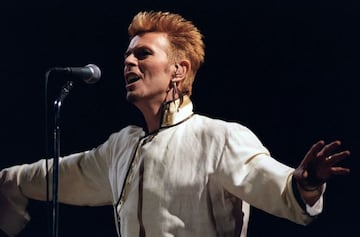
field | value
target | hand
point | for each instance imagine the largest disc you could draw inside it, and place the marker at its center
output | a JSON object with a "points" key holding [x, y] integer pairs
{"points": [[318, 165]]}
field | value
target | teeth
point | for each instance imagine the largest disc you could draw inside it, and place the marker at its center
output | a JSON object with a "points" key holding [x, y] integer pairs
{"points": [[132, 78]]}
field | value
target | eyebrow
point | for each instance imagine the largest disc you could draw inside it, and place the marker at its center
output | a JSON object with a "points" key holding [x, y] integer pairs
{"points": [[130, 51]]}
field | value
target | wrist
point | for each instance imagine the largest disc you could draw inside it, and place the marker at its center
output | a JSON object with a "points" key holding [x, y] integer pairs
{"points": [[310, 194], [308, 188]]}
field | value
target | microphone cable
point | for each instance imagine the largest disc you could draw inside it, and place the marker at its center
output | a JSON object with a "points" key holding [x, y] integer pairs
{"points": [[46, 124]]}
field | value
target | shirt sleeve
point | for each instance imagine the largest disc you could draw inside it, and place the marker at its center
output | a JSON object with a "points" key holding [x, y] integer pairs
{"points": [[13, 215], [247, 170], [313, 210], [83, 180]]}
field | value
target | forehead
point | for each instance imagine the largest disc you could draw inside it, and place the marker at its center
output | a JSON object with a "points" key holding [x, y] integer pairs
{"points": [[150, 39]]}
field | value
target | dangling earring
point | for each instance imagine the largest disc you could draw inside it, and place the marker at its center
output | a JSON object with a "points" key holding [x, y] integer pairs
{"points": [[175, 89], [174, 92]]}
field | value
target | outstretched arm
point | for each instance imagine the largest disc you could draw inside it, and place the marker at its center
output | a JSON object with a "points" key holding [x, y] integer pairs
{"points": [[317, 167]]}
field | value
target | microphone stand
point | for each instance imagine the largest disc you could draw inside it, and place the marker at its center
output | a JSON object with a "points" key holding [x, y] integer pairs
{"points": [[65, 90]]}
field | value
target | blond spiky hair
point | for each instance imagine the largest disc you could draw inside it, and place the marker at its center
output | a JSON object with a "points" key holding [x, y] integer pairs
{"points": [[185, 38]]}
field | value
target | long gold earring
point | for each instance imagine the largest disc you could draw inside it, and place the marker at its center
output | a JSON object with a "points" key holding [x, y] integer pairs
{"points": [[174, 86], [173, 81], [175, 91]]}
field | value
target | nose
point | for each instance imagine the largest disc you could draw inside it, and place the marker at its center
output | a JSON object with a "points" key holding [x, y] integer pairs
{"points": [[130, 61]]}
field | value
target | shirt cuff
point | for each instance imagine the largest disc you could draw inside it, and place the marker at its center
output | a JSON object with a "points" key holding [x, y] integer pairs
{"points": [[315, 209]]}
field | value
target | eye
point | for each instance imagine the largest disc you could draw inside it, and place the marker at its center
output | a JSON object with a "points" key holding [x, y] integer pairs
{"points": [[142, 53]]}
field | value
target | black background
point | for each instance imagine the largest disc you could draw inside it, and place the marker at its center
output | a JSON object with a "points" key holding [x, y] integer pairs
{"points": [[288, 70]]}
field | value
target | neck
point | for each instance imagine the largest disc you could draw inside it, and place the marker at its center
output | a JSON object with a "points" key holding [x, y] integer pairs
{"points": [[153, 113], [152, 116]]}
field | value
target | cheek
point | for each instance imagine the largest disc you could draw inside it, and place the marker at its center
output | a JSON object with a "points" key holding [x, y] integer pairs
{"points": [[157, 71]]}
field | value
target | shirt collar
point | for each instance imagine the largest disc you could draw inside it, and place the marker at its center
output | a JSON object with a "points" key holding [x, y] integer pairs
{"points": [[176, 111]]}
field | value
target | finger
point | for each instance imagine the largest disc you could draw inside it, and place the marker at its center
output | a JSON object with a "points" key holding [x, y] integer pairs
{"points": [[337, 157], [340, 170], [314, 150], [329, 148]]}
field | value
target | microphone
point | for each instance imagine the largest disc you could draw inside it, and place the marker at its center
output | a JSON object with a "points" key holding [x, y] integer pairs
{"points": [[90, 73]]}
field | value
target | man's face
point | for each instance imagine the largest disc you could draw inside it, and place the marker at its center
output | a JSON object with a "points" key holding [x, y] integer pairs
{"points": [[147, 68]]}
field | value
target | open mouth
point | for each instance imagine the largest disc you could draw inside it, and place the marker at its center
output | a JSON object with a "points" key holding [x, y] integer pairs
{"points": [[132, 78]]}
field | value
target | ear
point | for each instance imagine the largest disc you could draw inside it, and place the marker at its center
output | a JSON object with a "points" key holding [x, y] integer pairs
{"points": [[182, 68]]}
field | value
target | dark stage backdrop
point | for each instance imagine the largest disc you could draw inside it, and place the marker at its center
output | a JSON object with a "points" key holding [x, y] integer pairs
{"points": [[288, 70]]}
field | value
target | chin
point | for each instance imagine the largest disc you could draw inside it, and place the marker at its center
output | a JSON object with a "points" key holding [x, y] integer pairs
{"points": [[132, 98]]}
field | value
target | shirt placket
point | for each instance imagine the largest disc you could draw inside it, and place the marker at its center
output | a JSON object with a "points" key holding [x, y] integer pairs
{"points": [[135, 161]]}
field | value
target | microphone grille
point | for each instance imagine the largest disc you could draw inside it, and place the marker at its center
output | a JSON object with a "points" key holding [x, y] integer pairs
{"points": [[96, 74]]}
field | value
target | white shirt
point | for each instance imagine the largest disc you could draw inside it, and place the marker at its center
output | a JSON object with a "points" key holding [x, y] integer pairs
{"points": [[194, 177]]}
